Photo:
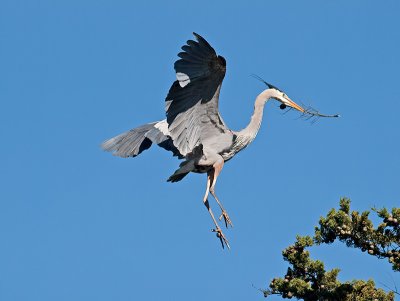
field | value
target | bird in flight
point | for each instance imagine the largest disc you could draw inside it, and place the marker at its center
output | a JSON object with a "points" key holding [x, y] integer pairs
{"points": [[194, 130]]}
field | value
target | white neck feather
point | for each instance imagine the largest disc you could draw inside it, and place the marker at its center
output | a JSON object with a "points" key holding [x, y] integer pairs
{"points": [[250, 131]]}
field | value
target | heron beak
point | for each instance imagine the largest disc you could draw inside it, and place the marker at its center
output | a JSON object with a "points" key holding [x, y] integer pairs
{"points": [[290, 103]]}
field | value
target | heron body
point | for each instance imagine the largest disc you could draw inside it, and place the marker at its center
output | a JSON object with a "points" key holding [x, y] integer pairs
{"points": [[194, 129]]}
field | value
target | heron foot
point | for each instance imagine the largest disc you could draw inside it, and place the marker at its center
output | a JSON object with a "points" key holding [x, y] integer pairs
{"points": [[222, 238], [227, 220]]}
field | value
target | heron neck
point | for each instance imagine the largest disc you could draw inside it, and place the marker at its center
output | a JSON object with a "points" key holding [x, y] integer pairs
{"points": [[251, 130]]}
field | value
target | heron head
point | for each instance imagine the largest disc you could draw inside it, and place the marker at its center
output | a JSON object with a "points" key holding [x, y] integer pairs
{"points": [[280, 96], [285, 101]]}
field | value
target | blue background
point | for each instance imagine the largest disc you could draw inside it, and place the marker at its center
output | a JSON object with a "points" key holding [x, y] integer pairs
{"points": [[79, 224]]}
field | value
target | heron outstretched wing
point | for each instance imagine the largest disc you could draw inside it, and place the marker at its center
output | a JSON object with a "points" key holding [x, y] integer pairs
{"points": [[192, 101], [133, 142]]}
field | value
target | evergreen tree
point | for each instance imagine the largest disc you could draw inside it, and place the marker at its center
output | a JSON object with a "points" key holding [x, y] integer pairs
{"points": [[307, 279]]}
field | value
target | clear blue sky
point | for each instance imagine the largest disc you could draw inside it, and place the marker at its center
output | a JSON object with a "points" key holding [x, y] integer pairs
{"points": [[79, 224]]}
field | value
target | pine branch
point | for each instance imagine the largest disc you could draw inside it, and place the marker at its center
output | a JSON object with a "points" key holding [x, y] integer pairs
{"points": [[356, 230], [307, 279]]}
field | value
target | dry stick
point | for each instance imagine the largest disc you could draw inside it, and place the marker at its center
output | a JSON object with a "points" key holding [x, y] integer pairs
{"points": [[309, 111], [313, 112]]}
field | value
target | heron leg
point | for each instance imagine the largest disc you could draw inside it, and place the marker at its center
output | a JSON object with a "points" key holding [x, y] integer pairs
{"points": [[217, 229], [213, 174]]}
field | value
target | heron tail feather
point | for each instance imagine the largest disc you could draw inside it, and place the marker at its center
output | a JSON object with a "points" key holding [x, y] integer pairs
{"points": [[188, 165], [184, 168], [177, 177]]}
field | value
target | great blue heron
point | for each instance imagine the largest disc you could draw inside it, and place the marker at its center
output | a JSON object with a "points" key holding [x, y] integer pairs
{"points": [[194, 129]]}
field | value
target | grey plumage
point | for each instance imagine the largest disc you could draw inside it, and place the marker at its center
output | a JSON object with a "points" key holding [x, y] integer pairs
{"points": [[194, 130], [192, 110], [133, 142]]}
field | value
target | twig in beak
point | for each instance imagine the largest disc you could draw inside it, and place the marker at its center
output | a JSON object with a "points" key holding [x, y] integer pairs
{"points": [[309, 111], [313, 112]]}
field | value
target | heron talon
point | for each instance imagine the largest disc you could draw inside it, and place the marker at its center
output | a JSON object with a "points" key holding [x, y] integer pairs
{"points": [[222, 238], [227, 220]]}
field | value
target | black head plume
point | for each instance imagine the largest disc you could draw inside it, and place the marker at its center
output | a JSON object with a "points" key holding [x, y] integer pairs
{"points": [[308, 112], [267, 84]]}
